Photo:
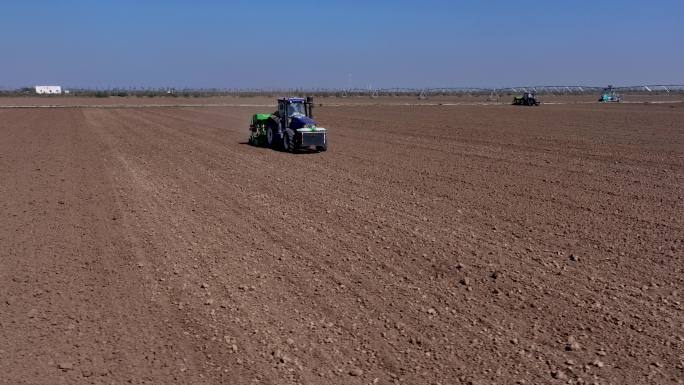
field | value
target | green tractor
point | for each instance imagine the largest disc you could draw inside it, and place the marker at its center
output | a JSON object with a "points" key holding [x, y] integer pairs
{"points": [[609, 95], [290, 128]]}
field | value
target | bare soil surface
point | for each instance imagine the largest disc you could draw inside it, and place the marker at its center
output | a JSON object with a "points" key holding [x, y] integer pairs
{"points": [[429, 245]]}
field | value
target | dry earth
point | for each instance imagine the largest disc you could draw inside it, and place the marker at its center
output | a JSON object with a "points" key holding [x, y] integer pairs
{"points": [[430, 245]]}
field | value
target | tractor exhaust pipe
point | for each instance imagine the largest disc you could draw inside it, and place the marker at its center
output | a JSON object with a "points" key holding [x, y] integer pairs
{"points": [[310, 103]]}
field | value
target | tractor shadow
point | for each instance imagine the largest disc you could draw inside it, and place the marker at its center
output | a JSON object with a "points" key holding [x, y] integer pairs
{"points": [[297, 152]]}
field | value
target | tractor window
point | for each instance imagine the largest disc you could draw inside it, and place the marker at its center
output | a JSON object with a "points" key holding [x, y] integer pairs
{"points": [[296, 108]]}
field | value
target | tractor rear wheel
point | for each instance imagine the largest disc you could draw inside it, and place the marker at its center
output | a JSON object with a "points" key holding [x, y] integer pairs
{"points": [[270, 135]]}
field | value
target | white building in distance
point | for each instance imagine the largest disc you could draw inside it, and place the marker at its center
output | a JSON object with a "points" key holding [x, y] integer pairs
{"points": [[49, 90]]}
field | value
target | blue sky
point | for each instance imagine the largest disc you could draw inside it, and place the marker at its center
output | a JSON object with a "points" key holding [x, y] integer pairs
{"points": [[306, 43]]}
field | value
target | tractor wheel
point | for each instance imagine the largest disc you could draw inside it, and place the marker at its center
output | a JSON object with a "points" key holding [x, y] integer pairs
{"points": [[322, 148], [270, 136], [288, 141]]}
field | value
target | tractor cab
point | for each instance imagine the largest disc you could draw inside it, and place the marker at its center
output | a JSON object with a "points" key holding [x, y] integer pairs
{"points": [[291, 107], [296, 113]]}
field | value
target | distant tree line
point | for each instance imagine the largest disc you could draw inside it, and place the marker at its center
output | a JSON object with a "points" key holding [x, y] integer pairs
{"points": [[213, 92]]}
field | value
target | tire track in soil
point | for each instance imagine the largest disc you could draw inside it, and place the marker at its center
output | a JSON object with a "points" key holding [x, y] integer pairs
{"points": [[75, 306]]}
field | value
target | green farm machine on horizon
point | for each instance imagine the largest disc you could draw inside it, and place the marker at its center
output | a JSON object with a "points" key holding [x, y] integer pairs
{"points": [[609, 95], [527, 99]]}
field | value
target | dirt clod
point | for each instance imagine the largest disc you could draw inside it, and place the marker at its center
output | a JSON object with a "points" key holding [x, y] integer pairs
{"points": [[356, 372]]}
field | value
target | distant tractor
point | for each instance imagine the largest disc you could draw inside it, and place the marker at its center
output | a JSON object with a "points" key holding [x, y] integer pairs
{"points": [[290, 128], [610, 96], [527, 99]]}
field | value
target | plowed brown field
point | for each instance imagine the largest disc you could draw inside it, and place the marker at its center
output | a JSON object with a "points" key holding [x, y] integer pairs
{"points": [[429, 245]]}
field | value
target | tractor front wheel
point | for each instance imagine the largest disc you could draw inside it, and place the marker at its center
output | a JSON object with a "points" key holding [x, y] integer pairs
{"points": [[288, 141]]}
